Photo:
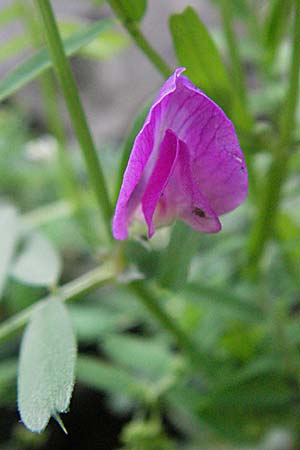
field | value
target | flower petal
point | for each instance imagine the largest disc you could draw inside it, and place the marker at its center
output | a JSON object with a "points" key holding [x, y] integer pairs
{"points": [[186, 162], [184, 197], [146, 144], [159, 178], [218, 163]]}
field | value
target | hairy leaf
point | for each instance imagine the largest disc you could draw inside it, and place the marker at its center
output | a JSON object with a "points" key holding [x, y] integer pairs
{"points": [[8, 237], [47, 365], [39, 263]]}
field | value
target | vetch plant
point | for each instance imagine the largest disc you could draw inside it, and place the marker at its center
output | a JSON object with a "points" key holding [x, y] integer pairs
{"points": [[186, 163], [196, 329]]}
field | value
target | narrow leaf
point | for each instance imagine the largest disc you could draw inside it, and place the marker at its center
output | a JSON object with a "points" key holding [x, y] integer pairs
{"points": [[106, 45], [105, 377], [8, 237], [143, 355], [224, 299], [39, 263], [14, 46], [47, 365], [40, 61], [196, 50], [9, 14]]}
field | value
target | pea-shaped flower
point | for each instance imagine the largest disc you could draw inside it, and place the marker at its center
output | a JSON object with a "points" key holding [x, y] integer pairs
{"points": [[186, 163]]}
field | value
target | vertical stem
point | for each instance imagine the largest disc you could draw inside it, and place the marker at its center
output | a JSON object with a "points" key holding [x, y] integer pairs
{"points": [[234, 54], [264, 227], [242, 116], [65, 171], [75, 108], [140, 39], [198, 359]]}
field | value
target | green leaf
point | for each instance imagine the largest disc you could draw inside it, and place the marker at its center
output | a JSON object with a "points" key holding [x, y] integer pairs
{"points": [[196, 50], [47, 365], [133, 10], [105, 377], [109, 43], [90, 323], [9, 14], [39, 263], [14, 46], [9, 228], [141, 354], [40, 61], [224, 299]]}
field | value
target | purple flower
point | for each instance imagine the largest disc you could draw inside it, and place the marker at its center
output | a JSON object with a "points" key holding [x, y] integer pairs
{"points": [[186, 163]]}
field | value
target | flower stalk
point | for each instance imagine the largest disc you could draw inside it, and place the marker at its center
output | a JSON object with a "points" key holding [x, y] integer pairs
{"points": [[197, 358], [70, 291], [140, 39], [66, 79]]}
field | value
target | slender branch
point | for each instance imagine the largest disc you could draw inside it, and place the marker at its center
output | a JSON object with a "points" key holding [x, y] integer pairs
{"points": [[234, 53], [65, 170], [70, 291], [75, 108], [264, 227], [206, 363], [140, 39]]}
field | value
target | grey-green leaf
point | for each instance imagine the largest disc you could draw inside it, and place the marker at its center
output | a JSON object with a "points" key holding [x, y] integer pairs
{"points": [[196, 50], [40, 61], [47, 365], [39, 263], [143, 355], [9, 228], [104, 376]]}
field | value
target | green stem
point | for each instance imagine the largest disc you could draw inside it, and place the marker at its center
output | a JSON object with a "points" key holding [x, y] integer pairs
{"points": [[264, 227], [241, 114], [54, 120], [149, 299], [234, 53], [70, 291], [65, 76], [139, 38]]}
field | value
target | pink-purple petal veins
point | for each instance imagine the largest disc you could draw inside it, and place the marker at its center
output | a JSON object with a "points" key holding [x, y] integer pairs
{"points": [[186, 163]]}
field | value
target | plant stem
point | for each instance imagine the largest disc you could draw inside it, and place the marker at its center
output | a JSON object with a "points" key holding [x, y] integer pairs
{"points": [[70, 291], [65, 76], [264, 226], [54, 120], [183, 340], [234, 54], [139, 38]]}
